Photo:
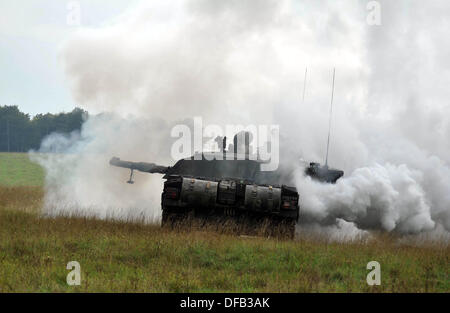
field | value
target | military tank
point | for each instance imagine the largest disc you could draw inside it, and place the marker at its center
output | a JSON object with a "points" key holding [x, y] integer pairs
{"points": [[229, 186]]}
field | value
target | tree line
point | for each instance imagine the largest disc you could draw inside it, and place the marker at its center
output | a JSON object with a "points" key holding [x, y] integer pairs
{"points": [[19, 132]]}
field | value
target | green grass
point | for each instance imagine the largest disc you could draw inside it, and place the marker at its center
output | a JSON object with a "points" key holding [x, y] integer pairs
{"points": [[16, 169], [134, 257]]}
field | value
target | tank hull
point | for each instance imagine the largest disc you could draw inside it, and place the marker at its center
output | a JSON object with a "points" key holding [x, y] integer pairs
{"points": [[243, 207]]}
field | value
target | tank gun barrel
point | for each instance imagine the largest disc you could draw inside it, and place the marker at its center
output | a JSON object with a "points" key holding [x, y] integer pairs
{"points": [[139, 166]]}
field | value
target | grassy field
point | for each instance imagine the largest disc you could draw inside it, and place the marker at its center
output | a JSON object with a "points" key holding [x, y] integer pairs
{"points": [[17, 170], [131, 257]]}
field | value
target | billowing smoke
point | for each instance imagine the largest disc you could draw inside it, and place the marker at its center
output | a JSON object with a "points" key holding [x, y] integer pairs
{"points": [[243, 62]]}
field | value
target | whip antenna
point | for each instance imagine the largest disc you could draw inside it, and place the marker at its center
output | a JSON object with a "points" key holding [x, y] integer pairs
{"points": [[329, 122], [304, 86]]}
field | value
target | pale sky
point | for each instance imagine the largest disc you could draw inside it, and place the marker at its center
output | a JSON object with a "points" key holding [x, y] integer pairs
{"points": [[31, 32]]}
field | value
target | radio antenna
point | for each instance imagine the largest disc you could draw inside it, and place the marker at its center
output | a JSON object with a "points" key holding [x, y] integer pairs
{"points": [[304, 86], [329, 122]]}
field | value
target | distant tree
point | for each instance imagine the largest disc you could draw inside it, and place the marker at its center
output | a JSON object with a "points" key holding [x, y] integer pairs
{"points": [[14, 128], [20, 133]]}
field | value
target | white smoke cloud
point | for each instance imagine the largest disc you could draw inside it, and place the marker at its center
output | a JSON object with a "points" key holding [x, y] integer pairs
{"points": [[79, 178], [243, 62], [341, 231], [387, 197]]}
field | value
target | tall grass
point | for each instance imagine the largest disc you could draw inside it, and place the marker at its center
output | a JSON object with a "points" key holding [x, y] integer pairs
{"points": [[127, 256]]}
